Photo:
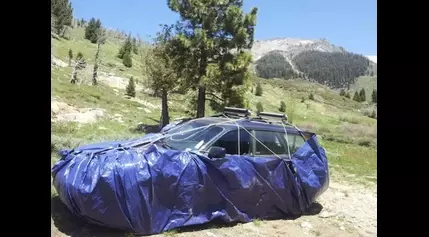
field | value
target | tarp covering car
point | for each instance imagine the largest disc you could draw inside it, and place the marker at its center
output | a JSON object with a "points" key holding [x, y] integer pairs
{"points": [[151, 190]]}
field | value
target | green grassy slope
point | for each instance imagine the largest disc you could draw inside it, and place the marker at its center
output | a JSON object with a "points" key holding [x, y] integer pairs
{"points": [[348, 136], [367, 82]]}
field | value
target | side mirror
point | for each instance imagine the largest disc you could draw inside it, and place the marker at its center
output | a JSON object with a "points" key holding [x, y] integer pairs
{"points": [[217, 152]]}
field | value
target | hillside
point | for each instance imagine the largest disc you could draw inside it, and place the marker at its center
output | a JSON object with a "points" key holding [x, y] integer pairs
{"points": [[316, 60], [82, 113]]}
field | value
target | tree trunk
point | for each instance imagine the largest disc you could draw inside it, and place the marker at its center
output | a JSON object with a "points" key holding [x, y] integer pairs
{"points": [[73, 79], [94, 74], [165, 118], [201, 102]]}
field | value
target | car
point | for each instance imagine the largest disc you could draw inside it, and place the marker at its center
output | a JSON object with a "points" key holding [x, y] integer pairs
{"points": [[232, 167]]}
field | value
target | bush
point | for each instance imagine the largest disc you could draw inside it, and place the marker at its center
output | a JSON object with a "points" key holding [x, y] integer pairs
{"points": [[311, 97], [259, 107], [347, 95], [282, 106], [258, 91], [127, 60]]}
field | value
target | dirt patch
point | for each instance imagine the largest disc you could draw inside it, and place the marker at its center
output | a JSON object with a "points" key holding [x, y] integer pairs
{"points": [[63, 112], [348, 210], [57, 62], [111, 80]]}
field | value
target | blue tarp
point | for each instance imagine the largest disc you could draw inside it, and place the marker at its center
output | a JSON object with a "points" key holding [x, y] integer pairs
{"points": [[151, 190]]}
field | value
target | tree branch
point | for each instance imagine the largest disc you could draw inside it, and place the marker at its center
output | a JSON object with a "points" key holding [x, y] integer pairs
{"points": [[211, 94]]}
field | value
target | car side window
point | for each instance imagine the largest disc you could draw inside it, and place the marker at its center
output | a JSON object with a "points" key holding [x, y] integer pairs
{"points": [[295, 142], [272, 140], [229, 141]]}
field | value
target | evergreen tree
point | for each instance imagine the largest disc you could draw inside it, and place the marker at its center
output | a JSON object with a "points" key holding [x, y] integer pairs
{"points": [[62, 12], [342, 92], [212, 50], [311, 96], [374, 96], [362, 95], [126, 48], [135, 46], [160, 71], [131, 88], [356, 97], [93, 30], [259, 107], [79, 56], [70, 56], [282, 106], [347, 95], [127, 60], [258, 91]]}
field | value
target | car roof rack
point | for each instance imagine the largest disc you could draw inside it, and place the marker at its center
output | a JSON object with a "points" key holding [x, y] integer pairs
{"points": [[271, 118], [236, 112]]}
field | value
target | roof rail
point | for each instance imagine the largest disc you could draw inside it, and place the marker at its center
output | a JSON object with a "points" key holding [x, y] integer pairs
{"points": [[272, 117], [236, 112]]}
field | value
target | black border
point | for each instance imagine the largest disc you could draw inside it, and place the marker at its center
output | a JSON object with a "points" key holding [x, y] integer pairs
{"points": [[26, 117], [402, 124]]}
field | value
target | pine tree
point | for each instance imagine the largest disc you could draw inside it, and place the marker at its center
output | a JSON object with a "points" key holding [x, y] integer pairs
{"points": [[79, 56], [135, 46], [126, 48], [93, 30], [70, 56], [282, 106], [212, 49], [259, 107], [160, 71], [347, 95], [356, 97], [374, 96], [362, 95], [62, 12], [127, 60], [131, 88], [258, 91]]}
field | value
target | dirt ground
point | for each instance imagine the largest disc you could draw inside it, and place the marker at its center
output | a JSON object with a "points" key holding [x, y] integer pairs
{"points": [[348, 210]]}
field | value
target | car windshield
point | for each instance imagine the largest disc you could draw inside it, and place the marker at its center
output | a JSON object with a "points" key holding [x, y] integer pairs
{"points": [[191, 136]]}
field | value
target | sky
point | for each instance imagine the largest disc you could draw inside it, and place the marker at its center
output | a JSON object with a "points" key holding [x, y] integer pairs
{"points": [[348, 23]]}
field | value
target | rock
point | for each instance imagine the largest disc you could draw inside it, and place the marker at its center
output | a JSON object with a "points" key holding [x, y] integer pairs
{"points": [[102, 128], [208, 233], [326, 214], [147, 110], [117, 115], [306, 225], [342, 228]]}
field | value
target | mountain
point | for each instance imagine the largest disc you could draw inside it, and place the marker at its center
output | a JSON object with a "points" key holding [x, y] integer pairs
{"points": [[372, 58], [314, 60]]}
